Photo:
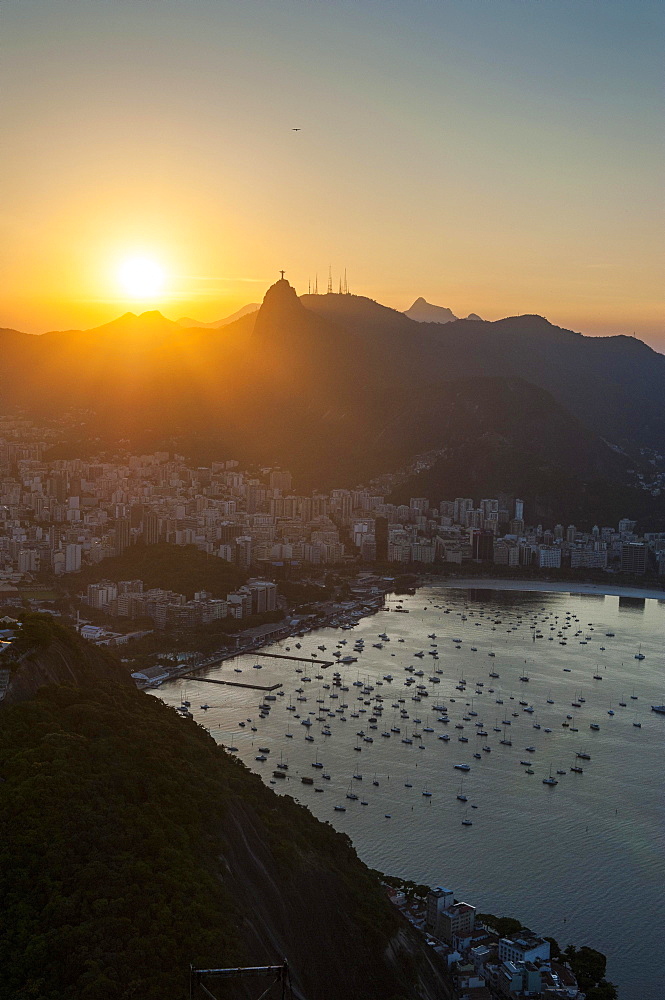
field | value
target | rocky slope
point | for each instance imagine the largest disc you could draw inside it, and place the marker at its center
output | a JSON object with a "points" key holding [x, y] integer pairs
{"points": [[49, 654]]}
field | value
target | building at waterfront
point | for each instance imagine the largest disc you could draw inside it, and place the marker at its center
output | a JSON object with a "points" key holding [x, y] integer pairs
{"points": [[524, 947]]}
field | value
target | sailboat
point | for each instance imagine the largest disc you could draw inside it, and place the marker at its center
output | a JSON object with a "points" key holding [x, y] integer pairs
{"points": [[505, 742], [639, 655]]}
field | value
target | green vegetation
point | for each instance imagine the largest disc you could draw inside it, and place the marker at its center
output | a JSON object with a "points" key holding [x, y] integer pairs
{"points": [[504, 926], [304, 593], [589, 968], [412, 890], [182, 568], [37, 632], [105, 888], [117, 846]]}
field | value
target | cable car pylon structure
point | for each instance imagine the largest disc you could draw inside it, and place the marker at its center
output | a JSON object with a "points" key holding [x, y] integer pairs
{"points": [[278, 973]]}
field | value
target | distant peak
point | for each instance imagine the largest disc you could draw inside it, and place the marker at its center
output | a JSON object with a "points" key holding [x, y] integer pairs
{"points": [[280, 304], [423, 311], [132, 324], [189, 323], [279, 294], [150, 315]]}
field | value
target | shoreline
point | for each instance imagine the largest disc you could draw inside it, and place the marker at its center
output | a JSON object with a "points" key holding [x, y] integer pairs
{"points": [[544, 586], [448, 583]]}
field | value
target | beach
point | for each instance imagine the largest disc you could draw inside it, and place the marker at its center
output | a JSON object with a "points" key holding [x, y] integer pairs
{"points": [[550, 587]]}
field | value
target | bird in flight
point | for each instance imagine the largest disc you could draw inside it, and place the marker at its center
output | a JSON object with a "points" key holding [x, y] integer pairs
{"points": [[296, 130]]}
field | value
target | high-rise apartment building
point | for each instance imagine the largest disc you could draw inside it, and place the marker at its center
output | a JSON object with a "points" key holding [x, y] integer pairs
{"points": [[381, 538]]}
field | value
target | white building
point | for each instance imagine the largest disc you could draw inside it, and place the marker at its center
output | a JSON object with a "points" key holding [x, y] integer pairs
{"points": [[524, 947], [72, 558], [549, 557]]}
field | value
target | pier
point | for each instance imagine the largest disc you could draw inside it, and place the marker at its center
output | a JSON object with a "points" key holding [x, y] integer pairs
{"points": [[233, 684], [301, 659]]}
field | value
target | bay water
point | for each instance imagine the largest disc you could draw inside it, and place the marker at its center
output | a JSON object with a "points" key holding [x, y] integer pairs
{"points": [[583, 860]]}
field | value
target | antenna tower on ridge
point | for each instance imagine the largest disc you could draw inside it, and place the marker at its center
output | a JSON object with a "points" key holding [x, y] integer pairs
{"points": [[330, 280], [346, 284], [316, 283]]}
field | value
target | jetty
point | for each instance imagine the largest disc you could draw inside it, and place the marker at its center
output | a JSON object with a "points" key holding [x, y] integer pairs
{"points": [[301, 659], [233, 684]]}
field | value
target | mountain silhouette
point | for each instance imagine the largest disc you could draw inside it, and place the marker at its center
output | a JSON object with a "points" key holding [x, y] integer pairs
{"points": [[189, 324], [424, 312], [614, 385], [340, 388]]}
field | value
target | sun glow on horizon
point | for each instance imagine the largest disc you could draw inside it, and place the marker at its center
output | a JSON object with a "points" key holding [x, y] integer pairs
{"points": [[141, 277]]}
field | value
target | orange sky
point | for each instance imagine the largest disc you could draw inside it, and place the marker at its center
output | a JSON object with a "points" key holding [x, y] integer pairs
{"points": [[499, 159]]}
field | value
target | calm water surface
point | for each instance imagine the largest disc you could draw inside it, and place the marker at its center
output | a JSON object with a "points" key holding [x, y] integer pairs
{"points": [[583, 861]]}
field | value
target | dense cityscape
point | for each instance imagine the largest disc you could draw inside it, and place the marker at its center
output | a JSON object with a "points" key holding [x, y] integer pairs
{"points": [[58, 516]]}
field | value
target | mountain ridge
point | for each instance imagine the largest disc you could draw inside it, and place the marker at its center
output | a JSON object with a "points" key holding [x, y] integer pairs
{"points": [[340, 388], [423, 311], [189, 324]]}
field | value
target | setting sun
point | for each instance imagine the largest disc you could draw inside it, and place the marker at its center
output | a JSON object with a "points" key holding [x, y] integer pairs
{"points": [[141, 277]]}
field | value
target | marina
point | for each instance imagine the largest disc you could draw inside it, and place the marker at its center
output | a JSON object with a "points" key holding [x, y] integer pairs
{"points": [[412, 724]]}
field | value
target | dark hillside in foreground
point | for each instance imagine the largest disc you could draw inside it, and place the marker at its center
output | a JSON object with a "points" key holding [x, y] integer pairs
{"points": [[132, 845]]}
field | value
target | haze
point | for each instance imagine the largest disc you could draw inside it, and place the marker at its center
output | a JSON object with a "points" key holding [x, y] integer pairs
{"points": [[496, 157]]}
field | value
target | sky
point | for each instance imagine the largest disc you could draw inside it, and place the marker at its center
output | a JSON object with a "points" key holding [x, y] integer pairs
{"points": [[494, 156]]}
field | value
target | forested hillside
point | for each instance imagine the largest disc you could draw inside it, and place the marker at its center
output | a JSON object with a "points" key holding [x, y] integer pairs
{"points": [[132, 845]]}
